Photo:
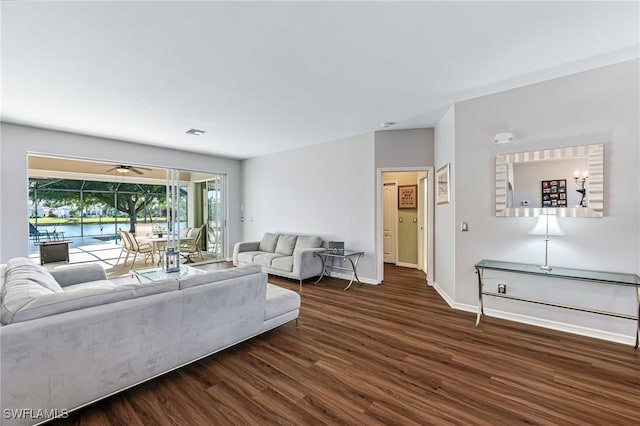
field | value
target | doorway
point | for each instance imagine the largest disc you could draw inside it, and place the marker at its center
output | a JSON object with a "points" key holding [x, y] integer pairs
{"points": [[405, 233]]}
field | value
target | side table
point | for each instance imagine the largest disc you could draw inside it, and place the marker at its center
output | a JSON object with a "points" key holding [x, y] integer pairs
{"points": [[54, 251], [352, 256]]}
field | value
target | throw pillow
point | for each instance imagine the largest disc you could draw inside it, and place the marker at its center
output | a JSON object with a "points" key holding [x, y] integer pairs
{"points": [[307, 242], [268, 242], [286, 244]]}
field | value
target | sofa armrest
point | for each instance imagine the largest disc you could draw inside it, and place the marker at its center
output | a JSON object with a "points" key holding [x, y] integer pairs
{"points": [[306, 264], [78, 274], [244, 246]]}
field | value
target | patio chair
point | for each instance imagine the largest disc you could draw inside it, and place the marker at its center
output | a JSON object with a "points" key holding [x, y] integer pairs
{"points": [[131, 245], [192, 246], [126, 246], [34, 233], [136, 247]]}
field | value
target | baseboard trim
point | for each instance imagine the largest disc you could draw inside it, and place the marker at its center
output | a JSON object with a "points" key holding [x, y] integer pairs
{"points": [[407, 265], [539, 322], [347, 276]]}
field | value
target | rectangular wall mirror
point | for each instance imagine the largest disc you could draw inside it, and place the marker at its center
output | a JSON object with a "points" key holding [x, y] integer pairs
{"points": [[569, 181]]}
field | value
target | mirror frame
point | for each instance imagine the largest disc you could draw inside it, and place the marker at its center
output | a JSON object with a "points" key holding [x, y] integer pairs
{"points": [[595, 160]]}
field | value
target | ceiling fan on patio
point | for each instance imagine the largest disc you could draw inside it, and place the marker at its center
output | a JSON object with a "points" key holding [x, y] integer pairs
{"points": [[124, 169]]}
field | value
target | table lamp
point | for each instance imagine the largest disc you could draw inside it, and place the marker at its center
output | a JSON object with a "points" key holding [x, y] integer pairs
{"points": [[547, 225]]}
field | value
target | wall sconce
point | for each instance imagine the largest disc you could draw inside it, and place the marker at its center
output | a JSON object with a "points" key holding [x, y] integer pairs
{"points": [[503, 137], [581, 181], [547, 225]]}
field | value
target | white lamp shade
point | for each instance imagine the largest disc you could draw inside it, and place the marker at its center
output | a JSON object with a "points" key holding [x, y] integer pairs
{"points": [[547, 225]]}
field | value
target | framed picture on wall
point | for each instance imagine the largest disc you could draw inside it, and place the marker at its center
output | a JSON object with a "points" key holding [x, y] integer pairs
{"points": [[408, 196], [443, 191], [554, 193]]}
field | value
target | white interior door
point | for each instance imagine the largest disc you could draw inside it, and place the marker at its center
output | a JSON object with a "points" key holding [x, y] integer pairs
{"points": [[389, 220], [422, 214], [423, 211]]}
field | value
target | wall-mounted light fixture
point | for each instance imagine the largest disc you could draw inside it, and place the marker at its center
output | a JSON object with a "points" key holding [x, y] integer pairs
{"points": [[581, 180], [503, 137]]}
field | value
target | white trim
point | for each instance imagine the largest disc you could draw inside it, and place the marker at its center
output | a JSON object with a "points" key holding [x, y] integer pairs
{"points": [[422, 178], [378, 236], [408, 265], [347, 276], [538, 322]]}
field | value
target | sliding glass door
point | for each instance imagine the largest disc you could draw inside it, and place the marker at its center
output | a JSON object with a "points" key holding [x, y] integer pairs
{"points": [[213, 209]]}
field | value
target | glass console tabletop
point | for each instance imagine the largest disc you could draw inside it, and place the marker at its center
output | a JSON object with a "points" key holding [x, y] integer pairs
{"points": [[558, 272], [157, 274]]}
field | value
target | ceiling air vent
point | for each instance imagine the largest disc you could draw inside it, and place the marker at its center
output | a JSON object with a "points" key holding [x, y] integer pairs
{"points": [[195, 132]]}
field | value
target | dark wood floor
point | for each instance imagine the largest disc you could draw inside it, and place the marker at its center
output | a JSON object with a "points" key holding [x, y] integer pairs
{"points": [[393, 354]]}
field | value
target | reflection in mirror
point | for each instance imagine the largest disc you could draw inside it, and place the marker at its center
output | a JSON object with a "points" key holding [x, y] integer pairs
{"points": [[568, 180]]}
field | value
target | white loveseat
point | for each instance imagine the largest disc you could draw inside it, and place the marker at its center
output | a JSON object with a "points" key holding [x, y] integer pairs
{"points": [[290, 256], [70, 337]]}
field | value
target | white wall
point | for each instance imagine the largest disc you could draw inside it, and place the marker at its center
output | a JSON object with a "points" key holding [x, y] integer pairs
{"points": [[325, 189], [398, 150], [445, 225], [597, 106], [404, 148], [17, 141]]}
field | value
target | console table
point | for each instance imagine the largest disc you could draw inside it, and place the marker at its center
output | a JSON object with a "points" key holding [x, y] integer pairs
{"points": [[351, 256], [610, 278]]}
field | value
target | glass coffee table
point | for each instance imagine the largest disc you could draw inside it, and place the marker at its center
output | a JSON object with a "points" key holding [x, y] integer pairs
{"points": [[158, 273]]}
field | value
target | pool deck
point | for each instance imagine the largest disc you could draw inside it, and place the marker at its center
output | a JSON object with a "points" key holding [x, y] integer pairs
{"points": [[105, 253]]}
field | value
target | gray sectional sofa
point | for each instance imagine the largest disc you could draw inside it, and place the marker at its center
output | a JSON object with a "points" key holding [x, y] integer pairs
{"points": [[70, 337], [290, 256]]}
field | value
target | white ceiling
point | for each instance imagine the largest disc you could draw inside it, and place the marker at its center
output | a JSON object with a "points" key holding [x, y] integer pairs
{"points": [[264, 77]]}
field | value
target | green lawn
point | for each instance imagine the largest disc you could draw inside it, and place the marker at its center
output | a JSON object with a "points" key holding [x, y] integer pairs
{"points": [[86, 220]]}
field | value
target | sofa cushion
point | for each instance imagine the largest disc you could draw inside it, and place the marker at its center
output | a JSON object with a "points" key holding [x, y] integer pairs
{"points": [[16, 294], [284, 263], [280, 301], [76, 274], [3, 270], [24, 282], [247, 256], [23, 268], [105, 284], [268, 242], [220, 275], [88, 295], [307, 242], [57, 303], [286, 244], [265, 259]]}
